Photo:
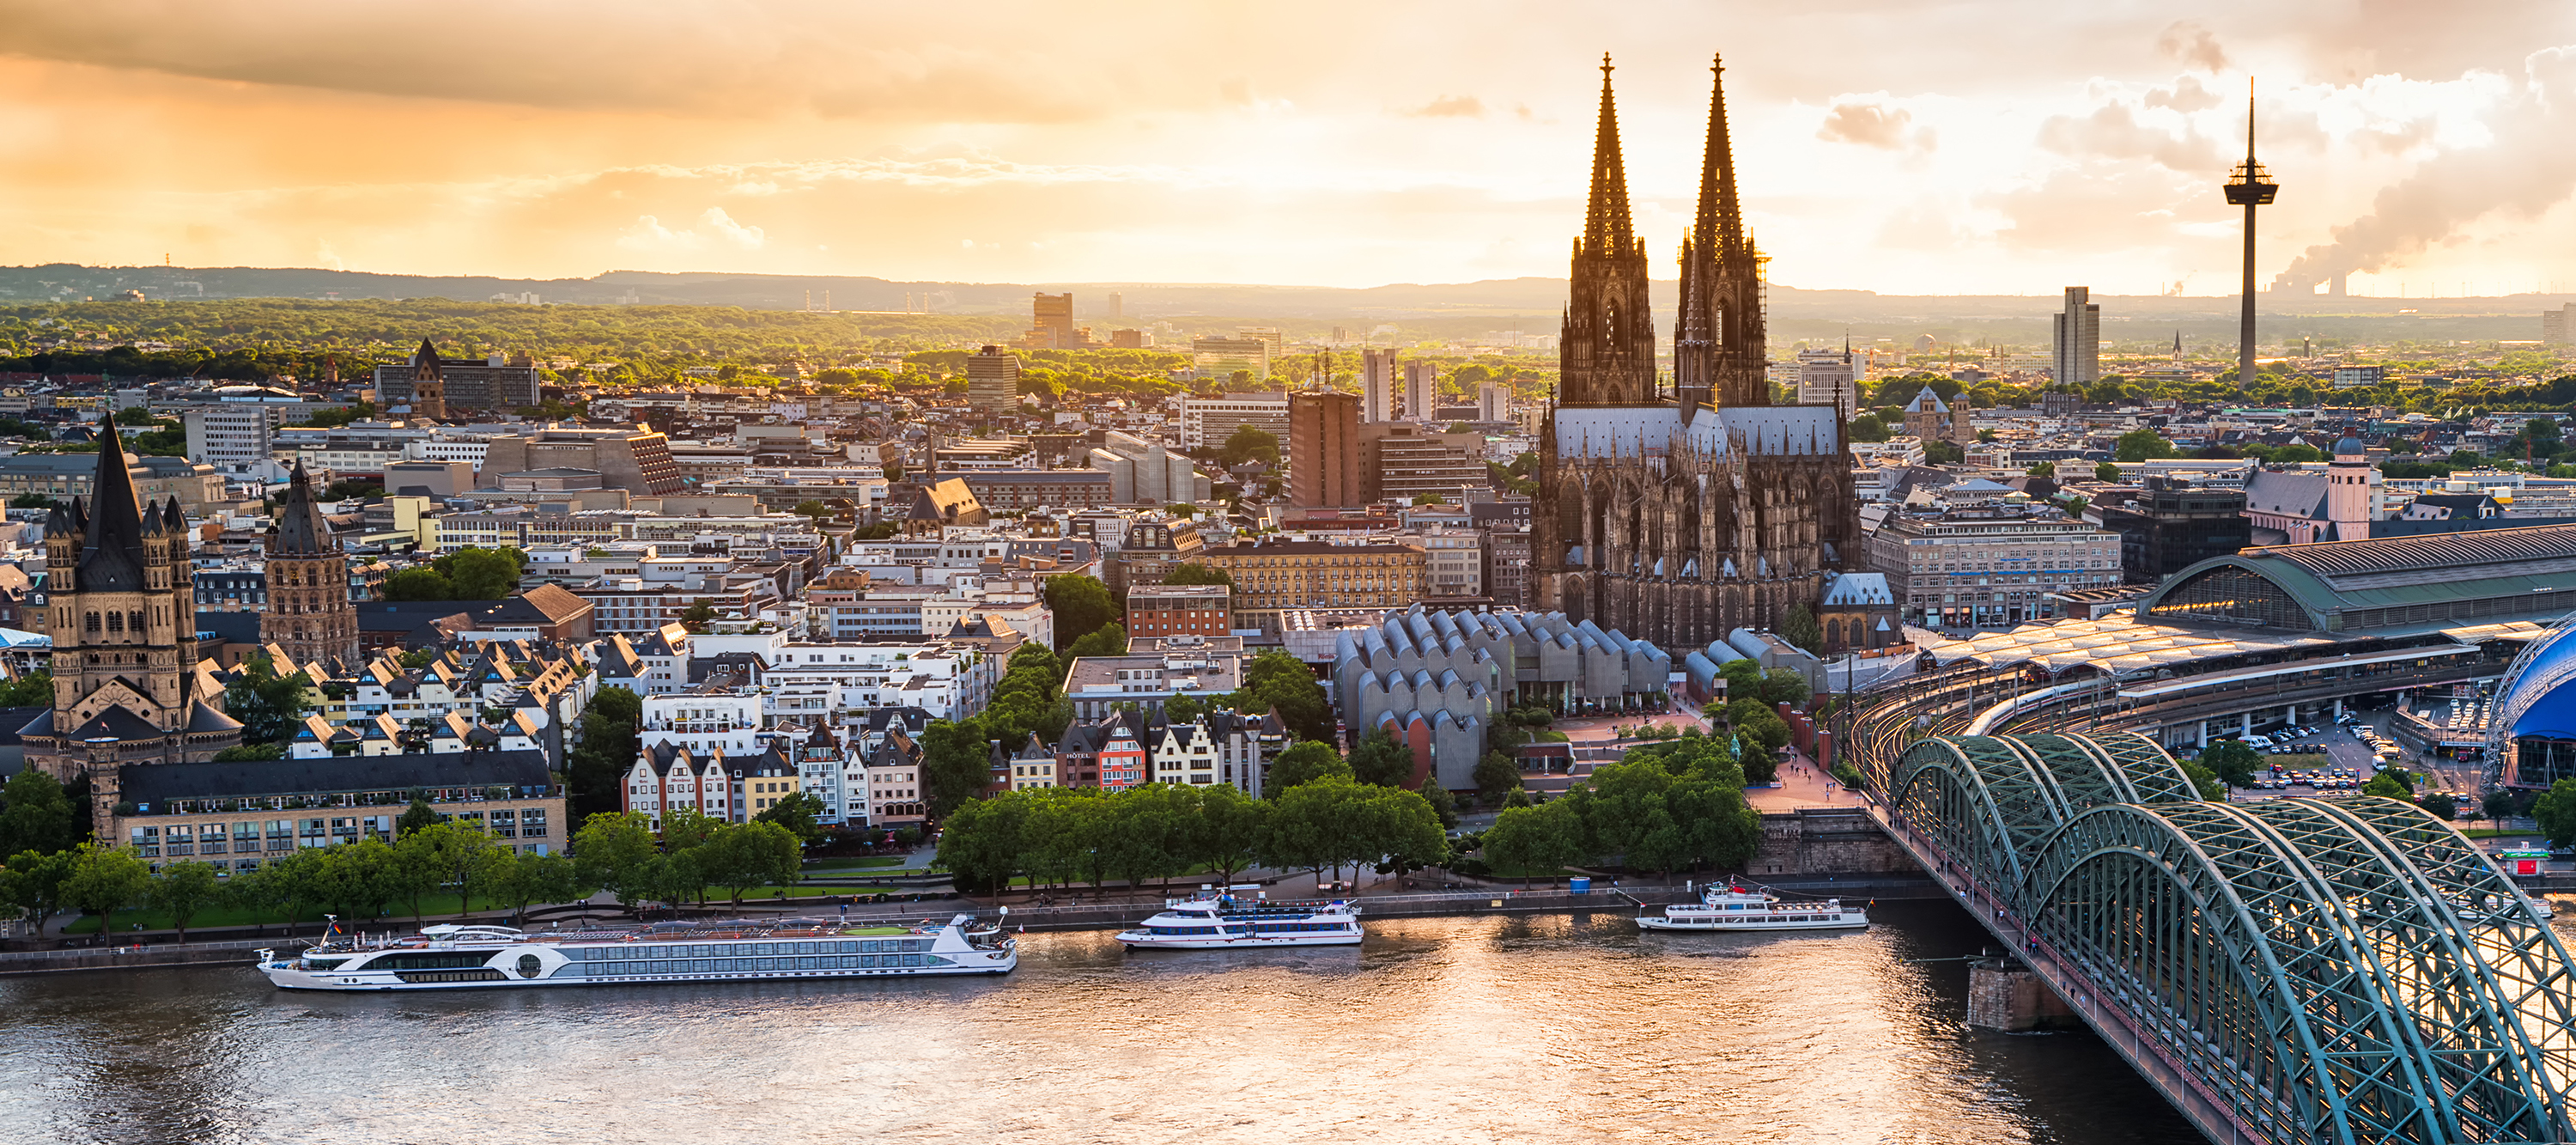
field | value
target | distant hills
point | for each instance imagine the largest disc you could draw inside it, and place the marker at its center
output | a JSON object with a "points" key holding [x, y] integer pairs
{"points": [[1530, 305]]}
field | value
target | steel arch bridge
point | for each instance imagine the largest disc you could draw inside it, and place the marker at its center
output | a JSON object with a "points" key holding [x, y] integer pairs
{"points": [[2291, 970]]}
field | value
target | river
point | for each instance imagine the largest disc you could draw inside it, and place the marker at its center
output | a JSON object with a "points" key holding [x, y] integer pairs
{"points": [[1547, 1029]]}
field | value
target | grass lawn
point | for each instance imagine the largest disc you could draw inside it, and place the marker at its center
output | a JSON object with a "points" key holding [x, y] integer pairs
{"points": [[847, 864], [434, 908], [2494, 832]]}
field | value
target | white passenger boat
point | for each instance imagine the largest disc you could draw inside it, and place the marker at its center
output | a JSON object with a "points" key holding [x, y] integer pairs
{"points": [[1223, 922], [465, 957], [1733, 908]]}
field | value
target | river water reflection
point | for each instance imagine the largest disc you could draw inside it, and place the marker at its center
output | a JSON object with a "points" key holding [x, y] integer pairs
{"points": [[1438, 1030]]}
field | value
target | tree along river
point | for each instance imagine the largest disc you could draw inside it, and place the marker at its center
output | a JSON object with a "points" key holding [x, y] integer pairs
{"points": [[1436, 1030]]}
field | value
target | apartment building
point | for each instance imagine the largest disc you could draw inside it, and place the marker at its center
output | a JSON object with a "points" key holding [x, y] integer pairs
{"points": [[1179, 610], [1271, 575], [1206, 423], [1990, 567]]}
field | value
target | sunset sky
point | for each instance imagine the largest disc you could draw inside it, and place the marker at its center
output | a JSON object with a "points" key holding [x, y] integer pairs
{"points": [[1903, 146]]}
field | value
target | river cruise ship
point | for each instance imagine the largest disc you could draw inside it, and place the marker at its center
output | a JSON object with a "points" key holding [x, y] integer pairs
{"points": [[1223, 922], [1733, 908], [468, 957]]}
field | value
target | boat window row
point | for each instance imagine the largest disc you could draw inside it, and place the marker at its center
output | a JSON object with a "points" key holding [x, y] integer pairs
{"points": [[755, 949], [1182, 930], [1279, 927], [744, 965], [424, 960]]}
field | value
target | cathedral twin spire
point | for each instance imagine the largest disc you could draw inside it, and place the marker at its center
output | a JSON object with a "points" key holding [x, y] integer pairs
{"points": [[1718, 348]]}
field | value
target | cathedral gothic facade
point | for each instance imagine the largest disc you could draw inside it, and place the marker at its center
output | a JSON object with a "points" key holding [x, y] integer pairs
{"points": [[1677, 518], [127, 684], [309, 616]]}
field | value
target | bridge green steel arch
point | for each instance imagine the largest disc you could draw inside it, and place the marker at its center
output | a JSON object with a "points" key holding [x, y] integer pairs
{"points": [[2346, 970]]}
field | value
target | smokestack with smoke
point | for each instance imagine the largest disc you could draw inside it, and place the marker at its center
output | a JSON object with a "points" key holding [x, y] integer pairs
{"points": [[2526, 170]]}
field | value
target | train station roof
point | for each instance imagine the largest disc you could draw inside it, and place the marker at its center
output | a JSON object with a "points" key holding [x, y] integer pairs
{"points": [[2378, 585], [2120, 644]]}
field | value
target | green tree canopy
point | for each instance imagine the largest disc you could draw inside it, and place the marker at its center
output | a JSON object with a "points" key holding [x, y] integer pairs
{"points": [[1304, 762], [1380, 760], [2555, 813], [37, 815], [2143, 444], [267, 704], [1277, 680], [956, 764], [184, 890], [1248, 443], [2106, 472], [1106, 640], [2233, 761], [1081, 605], [1192, 572], [421, 583], [1800, 628]]}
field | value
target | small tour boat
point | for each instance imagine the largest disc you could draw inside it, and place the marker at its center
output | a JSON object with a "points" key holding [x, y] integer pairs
{"points": [[1733, 908], [1214, 921]]}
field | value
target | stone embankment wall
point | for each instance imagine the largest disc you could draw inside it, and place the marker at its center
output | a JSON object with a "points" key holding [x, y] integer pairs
{"points": [[1838, 841], [138, 957]]}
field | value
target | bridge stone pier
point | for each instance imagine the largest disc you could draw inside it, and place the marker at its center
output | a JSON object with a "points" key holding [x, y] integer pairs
{"points": [[2287, 970]]}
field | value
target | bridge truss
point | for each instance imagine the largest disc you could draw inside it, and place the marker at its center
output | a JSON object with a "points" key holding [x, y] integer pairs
{"points": [[2293, 970]]}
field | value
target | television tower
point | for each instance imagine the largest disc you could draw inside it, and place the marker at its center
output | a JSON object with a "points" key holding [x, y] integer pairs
{"points": [[2249, 187]]}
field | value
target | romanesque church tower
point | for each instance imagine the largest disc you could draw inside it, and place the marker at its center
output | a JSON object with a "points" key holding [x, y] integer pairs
{"points": [[309, 616], [1607, 354], [428, 384], [124, 626]]}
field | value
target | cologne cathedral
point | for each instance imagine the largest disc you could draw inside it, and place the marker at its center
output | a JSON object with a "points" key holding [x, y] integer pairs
{"points": [[1677, 517]]}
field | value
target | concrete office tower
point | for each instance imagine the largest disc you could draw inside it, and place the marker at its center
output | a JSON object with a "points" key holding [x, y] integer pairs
{"points": [[2249, 187], [1145, 472], [1117, 307], [1052, 318], [993, 379], [2557, 327], [1493, 401], [1421, 390], [2078, 339], [1325, 453], [1219, 359], [1377, 385]]}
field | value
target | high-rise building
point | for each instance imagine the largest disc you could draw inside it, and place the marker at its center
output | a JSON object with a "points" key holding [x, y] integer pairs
{"points": [[1377, 385], [1830, 377], [1207, 422], [1052, 321], [2078, 339], [1131, 339], [2558, 327], [455, 385], [309, 616], [1219, 359], [1267, 336], [993, 379], [638, 459], [1324, 459], [1421, 390], [1493, 401], [1117, 306], [123, 624]]}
